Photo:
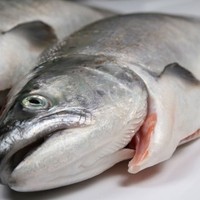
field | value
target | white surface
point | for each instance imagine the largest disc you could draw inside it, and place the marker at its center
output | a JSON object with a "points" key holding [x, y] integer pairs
{"points": [[176, 179]]}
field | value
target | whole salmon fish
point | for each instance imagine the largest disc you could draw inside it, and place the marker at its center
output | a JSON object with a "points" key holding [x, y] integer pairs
{"points": [[126, 87], [27, 27]]}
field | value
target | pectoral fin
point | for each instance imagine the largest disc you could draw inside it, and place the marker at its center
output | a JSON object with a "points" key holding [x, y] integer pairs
{"points": [[177, 70]]}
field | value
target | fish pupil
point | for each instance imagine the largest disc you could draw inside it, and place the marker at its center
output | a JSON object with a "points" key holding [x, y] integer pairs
{"points": [[34, 101]]}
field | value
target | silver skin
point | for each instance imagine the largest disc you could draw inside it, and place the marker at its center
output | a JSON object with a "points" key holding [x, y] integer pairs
{"points": [[27, 27], [75, 113]]}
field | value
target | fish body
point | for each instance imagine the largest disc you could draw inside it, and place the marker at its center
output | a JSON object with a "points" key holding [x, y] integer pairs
{"points": [[122, 88], [28, 27], [64, 16]]}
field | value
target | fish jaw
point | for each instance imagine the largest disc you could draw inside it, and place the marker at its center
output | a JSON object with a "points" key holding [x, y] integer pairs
{"points": [[42, 170], [81, 153], [172, 104]]}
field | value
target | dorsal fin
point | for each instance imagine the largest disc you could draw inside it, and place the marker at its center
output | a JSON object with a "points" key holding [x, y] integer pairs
{"points": [[38, 33]]}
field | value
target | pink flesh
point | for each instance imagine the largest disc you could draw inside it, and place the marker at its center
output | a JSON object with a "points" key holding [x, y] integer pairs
{"points": [[141, 140]]}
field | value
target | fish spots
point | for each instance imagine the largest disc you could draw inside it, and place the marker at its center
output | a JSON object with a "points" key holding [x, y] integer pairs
{"points": [[100, 92], [36, 87], [125, 75], [82, 100], [142, 139]]}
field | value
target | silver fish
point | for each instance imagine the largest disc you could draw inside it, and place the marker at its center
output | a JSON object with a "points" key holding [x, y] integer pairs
{"points": [[27, 27], [122, 88]]}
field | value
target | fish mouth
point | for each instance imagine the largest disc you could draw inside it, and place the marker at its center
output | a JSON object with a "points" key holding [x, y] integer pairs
{"points": [[23, 153], [28, 139]]}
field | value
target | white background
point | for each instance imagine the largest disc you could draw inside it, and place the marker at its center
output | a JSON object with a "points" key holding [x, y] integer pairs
{"points": [[176, 179]]}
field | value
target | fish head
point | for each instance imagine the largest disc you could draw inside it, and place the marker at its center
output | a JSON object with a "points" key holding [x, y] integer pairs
{"points": [[70, 121]]}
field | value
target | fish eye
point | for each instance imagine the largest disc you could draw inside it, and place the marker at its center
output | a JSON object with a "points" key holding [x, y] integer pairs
{"points": [[35, 102]]}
